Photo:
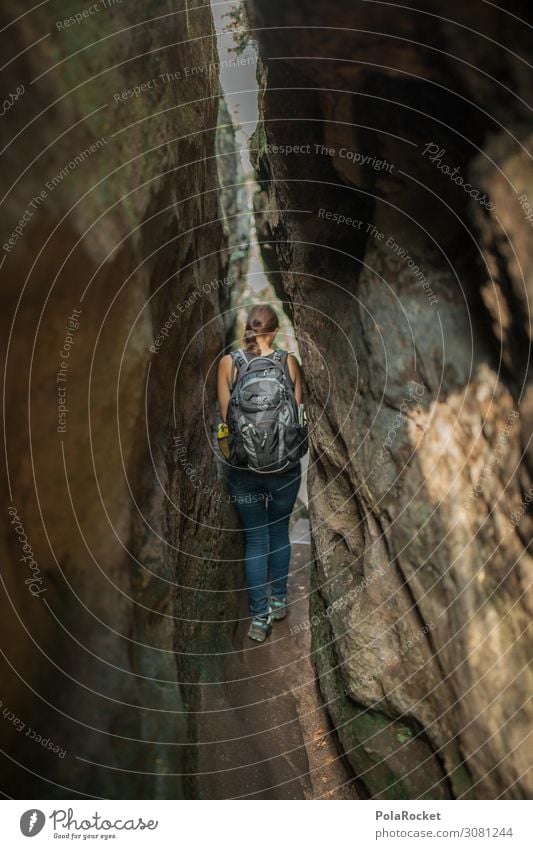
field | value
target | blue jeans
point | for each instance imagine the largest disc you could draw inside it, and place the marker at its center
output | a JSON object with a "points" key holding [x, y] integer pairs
{"points": [[264, 504]]}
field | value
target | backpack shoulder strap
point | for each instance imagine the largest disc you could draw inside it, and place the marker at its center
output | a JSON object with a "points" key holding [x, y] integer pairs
{"points": [[239, 363]]}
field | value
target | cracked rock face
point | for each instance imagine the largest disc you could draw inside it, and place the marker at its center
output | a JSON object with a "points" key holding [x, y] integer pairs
{"points": [[392, 158], [110, 268]]}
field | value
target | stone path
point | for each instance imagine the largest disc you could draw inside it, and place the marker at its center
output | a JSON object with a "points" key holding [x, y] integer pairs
{"points": [[267, 734]]}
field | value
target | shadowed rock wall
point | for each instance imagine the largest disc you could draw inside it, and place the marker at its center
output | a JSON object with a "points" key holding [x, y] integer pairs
{"points": [[111, 292]]}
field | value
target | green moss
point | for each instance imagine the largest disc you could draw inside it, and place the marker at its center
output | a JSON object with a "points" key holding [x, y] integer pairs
{"points": [[258, 143], [462, 782], [387, 754], [403, 738]]}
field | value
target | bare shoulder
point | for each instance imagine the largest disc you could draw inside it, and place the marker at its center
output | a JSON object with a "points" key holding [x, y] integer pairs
{"points": [[293, 361], [225, 362], [294, 365]]}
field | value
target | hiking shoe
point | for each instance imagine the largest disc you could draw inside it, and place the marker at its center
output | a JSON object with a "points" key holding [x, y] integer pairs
{"points": [[260, 628], [278, 607]]}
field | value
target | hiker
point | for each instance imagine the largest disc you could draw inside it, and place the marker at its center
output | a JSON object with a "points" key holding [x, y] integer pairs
{"points": [[263, 427]]}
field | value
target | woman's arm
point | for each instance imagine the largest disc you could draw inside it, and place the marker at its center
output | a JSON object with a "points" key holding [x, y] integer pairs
{"points": [[296, 374], [223, 383]]}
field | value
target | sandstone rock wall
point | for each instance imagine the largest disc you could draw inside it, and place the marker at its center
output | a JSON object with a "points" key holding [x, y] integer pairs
{"points": [[111, 293], [410, 293]]}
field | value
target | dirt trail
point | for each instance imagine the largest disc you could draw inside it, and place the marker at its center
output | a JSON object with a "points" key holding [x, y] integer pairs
{"points": [[273, 734]]}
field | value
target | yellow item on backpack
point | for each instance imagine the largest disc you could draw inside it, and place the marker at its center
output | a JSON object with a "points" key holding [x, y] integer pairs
{"points": [[223, 439]]}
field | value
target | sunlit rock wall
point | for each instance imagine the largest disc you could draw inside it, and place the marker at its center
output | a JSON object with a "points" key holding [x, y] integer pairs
{"points": [[393, 159]]}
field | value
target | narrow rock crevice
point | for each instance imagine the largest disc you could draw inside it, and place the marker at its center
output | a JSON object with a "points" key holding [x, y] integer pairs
{"points": [[130, 254]]}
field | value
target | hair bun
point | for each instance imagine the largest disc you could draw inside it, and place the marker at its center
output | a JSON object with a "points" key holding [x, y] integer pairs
{"points": [[261, 319]]}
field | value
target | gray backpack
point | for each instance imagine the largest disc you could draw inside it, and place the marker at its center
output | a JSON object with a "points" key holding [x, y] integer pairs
{"points": [[265, 434]]}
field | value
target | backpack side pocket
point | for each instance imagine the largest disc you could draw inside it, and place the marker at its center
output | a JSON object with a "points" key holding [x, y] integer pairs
{"points": [[296, 441]]}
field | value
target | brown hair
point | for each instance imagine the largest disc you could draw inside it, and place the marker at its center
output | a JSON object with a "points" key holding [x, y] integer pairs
{"points": [[261, 319]]}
